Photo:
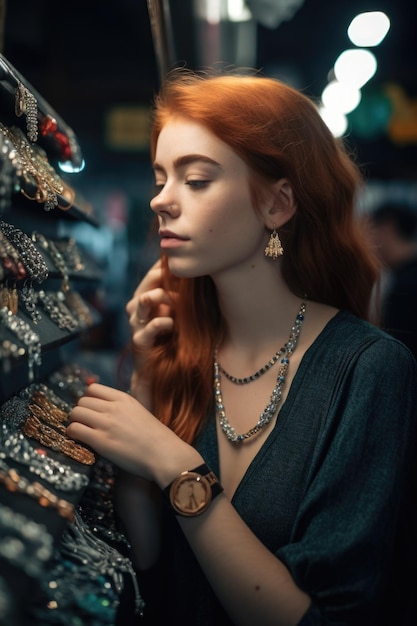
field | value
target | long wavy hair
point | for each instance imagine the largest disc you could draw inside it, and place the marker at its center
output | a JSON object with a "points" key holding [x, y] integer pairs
{"points": [[278, 132]]}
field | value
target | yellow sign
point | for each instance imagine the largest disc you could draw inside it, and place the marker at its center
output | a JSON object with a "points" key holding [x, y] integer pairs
{"points": [[127, 128]]}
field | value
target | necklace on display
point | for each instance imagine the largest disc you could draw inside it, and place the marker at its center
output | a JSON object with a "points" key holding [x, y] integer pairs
{"points": [[272, 406]]}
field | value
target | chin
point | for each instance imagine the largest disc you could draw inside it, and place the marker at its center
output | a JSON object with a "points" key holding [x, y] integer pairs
{"points": [[185, 271]]}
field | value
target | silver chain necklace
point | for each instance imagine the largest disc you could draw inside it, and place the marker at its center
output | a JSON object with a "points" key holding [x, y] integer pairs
{"points": [[272, 406]]}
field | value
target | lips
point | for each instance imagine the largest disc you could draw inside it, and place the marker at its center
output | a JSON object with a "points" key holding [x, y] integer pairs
{"points": [[167, 234], [170, 239]]}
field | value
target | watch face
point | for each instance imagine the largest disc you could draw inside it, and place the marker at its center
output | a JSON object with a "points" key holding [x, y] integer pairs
{"points": [[190, 494]]}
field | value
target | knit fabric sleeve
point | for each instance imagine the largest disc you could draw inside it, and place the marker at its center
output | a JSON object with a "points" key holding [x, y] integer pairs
{"points": [[343, 540]]}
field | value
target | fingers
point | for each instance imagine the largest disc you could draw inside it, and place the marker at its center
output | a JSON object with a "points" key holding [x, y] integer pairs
{"points": [[95, 410], [149, 304], [97, 403], [97, 390], [151, 280], [149, 301], [150, 312]]}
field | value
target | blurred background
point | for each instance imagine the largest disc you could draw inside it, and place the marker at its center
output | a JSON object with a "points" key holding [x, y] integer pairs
{"points": [[96, 64]]}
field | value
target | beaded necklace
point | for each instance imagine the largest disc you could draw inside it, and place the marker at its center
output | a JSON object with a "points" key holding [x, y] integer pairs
{"points": [[270, 409], [252, 377]]}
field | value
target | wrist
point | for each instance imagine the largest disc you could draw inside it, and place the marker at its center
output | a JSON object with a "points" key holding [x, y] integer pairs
{"points": [[140, 390], [175, 465]]}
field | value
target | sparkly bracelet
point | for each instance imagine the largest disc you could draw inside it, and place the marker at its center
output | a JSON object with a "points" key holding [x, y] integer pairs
{"points": [[26, 103], [8, 174], [50, 438], [45, 403], [73, 380], [79, 309], [24, 332], [10, 258], [35, 169], [25, 544], [53, 303], [71, 253], [14, 482], [47, 418], [97, 505], [62, 477], [30, 256], [14, 445], [36, 390], [56, 256]]}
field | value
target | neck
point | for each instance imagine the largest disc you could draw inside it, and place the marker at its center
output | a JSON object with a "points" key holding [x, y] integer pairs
{"points": [[258, 306]]}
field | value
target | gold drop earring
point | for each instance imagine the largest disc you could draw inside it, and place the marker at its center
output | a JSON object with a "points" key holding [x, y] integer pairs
{"points": [[274, 247]]}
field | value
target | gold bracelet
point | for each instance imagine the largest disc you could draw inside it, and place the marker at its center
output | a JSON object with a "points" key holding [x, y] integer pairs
{"points": [[38, 397], [47, 418], [13, 482], [50, 438]]}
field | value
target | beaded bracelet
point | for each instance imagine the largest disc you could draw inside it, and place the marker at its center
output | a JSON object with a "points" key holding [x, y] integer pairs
{"points": [[14, 482], [59, 261], [17, 447], [30, 256], [26, 335], [71, 253], [53, 303], [8, 174], [10, 259], [14, 445], [73, 380]]}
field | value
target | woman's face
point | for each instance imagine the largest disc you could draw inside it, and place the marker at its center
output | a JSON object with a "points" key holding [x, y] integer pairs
{"points": [[207, 223]]}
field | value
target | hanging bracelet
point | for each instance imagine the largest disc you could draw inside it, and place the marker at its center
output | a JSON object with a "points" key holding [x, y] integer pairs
{"points": [[26, 335]]}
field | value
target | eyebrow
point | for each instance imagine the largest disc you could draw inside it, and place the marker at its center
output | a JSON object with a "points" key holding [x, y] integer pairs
{"points": [[181, 161]]}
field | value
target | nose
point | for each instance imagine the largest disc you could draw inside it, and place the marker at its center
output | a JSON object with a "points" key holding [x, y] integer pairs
{"points": [[159, 206]]}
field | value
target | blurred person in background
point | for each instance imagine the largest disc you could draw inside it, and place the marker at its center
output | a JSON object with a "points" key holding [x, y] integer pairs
{"points": [[392, 228]]}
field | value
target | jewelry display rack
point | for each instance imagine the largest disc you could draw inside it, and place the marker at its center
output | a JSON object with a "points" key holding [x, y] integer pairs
{"points": [[63, 559]]}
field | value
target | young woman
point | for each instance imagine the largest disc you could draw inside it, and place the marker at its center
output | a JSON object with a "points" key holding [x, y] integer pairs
{"points": [[268, 436]]}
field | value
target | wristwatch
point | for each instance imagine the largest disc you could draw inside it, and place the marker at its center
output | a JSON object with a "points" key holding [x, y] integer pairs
{"points": [[193, 490]]}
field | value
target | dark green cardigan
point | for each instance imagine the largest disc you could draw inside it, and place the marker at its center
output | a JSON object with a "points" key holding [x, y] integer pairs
{"points": [[327, 491]]}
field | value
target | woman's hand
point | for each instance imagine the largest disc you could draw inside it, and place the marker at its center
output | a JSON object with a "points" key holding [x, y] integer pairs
{"points": [[120, 429], [150, 315]]}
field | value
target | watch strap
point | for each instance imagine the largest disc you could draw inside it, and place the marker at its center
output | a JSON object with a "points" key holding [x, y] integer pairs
{"points": [[211, 477]]}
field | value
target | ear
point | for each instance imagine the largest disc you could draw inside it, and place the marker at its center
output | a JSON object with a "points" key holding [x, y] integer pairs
{"points": [[281, 205]]}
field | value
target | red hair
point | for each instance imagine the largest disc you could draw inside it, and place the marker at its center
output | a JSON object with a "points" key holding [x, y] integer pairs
{"points": [[278, 132]]}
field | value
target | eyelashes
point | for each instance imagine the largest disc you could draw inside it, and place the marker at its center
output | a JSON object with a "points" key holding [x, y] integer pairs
{"points": [[195, 185]]}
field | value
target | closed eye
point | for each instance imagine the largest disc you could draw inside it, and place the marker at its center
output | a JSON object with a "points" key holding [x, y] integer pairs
{"points": [[197, 184]]}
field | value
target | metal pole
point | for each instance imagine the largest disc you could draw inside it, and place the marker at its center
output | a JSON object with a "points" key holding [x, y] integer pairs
{"points": [[3, 6], [162, 35]]}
